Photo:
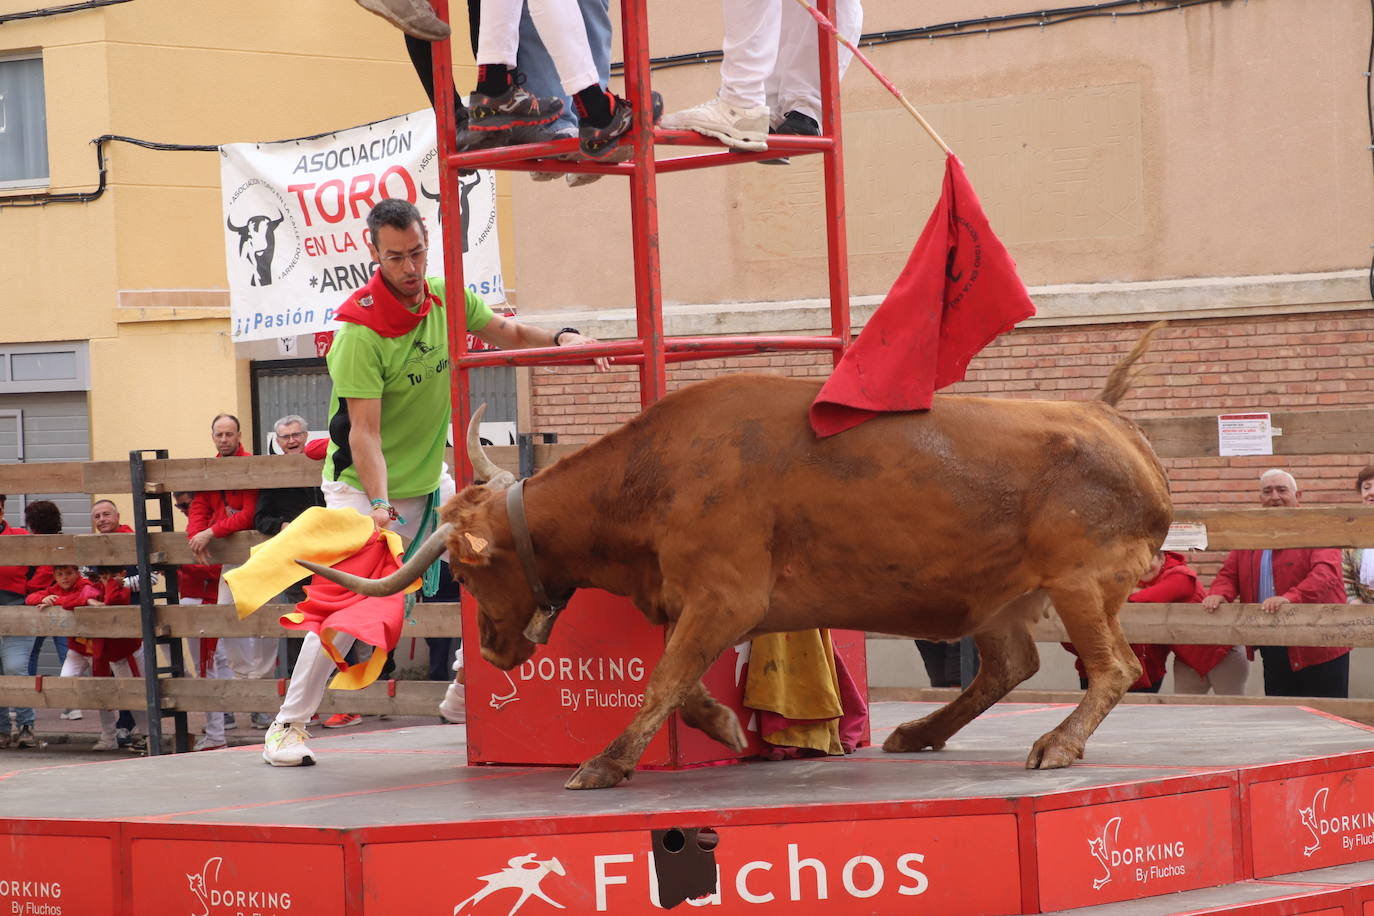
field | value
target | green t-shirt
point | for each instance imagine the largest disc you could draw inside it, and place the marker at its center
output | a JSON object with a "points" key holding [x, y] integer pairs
{"points": [[410, 374]]}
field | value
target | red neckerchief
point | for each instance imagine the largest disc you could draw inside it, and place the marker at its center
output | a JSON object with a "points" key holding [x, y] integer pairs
{"points": [[375, 306]]}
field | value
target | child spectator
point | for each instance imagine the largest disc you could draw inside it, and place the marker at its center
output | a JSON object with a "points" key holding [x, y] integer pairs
{"points": [[71, 591]]}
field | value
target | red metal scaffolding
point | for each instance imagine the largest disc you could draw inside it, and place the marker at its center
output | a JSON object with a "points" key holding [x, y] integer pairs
{"points": [[650, 350]]}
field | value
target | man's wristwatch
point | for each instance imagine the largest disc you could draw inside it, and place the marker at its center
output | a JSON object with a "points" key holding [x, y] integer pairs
{"points": [[557, 337]]}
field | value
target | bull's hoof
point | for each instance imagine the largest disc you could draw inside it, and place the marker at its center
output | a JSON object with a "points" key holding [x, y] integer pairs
{"points": [[599, 773], [911, 738], [721, 724], [1053, 752]]}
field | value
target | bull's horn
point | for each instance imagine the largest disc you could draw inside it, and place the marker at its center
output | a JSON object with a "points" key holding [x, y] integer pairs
{"points": [[541, 625], [482, 466], [413, 568]]}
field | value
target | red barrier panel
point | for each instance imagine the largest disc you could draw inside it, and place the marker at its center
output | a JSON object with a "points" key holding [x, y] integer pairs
{"points": [[579, 692]]}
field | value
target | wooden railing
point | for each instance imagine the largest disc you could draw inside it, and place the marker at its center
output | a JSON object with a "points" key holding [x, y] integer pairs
{"points": [[1319, 432]]}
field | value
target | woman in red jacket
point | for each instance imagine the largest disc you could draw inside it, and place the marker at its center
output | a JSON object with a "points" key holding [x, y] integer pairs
{"points": [[1197, 669], [1169, 580]]}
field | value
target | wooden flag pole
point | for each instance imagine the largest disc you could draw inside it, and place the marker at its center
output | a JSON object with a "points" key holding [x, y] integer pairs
{"points": [[887, 83]]}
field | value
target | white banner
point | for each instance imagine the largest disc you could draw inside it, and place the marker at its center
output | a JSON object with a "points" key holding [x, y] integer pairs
{"points": [[295, 221]]}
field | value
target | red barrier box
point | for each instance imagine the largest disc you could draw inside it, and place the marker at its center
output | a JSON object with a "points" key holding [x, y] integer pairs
{"points": [[576, 694], [1108, 853], [898, 865], [57, 875], [199, 878], [1308, 822]]}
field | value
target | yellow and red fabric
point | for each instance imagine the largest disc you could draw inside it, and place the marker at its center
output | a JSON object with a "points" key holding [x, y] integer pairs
{"points": [[345, 540]]}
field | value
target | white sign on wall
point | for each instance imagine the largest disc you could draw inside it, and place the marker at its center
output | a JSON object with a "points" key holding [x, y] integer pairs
{"points": [[295, 231]]}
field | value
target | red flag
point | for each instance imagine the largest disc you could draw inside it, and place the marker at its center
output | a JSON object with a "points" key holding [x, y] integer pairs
{"points": [[958, 291]]}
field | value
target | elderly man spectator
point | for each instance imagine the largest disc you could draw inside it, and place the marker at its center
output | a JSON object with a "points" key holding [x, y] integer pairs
{"points": [[1273, 578], [278, 508], [218, 514], [105, 520]]}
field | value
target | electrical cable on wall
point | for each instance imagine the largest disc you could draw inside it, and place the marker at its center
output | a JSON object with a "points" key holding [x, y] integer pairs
{"points": [[58, 10]]}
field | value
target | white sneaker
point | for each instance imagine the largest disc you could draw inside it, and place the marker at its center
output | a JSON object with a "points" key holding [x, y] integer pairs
{"points": [[206, 743], [738, 128], [106, 743], [454, 708], [284, 745], [71, 714]]}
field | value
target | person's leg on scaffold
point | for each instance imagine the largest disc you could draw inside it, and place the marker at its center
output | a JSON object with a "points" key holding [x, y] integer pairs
{"points": [[602, 116], [793, 89], [414, 17], [738, 115], [284, 745]]}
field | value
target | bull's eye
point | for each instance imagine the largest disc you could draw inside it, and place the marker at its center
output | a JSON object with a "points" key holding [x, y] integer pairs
{"points": [[462, 580]]}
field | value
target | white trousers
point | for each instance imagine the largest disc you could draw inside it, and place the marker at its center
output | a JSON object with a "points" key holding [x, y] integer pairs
{"points": [[310, 677], [218, 669], [1228, 677], [795, 82], [78, 665], [560, 25], [247, 656]]}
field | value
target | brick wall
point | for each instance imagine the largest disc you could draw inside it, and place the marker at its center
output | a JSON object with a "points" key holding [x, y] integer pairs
{"points": [[1276, 363]]}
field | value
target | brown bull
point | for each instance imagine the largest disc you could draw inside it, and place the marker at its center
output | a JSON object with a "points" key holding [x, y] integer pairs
{"points": [[720, 514]]}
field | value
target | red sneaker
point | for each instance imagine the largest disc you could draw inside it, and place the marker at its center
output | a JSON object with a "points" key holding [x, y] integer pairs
{"points": [[342, 720]]}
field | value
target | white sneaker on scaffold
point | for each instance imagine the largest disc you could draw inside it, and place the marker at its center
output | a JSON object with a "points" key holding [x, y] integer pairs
{"points": [[414, 17], [284, 745], [739, 128]]}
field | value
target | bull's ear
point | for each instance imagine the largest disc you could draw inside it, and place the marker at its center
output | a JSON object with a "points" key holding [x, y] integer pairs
{"points": [[473, 549]]}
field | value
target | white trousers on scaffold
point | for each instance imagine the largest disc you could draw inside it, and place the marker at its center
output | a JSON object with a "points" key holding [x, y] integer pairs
{"points": [[560, 27], [314, 667], [795, 83]]}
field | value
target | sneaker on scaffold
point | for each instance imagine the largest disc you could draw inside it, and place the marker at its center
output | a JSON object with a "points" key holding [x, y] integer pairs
{"points": [[738, 128], [342, 720], [106, 743], [414, 17], [284, 745], [513, 108]]}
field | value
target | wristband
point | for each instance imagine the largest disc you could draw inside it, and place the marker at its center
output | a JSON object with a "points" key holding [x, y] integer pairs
{"points": [[390, 510], [560, 334]]}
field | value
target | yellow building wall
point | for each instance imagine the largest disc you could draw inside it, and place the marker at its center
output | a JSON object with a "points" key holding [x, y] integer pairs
{"points": [[140, 272]]}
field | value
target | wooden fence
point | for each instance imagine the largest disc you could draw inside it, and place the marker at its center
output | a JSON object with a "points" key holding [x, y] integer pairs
{"points": [[1318, 432]]}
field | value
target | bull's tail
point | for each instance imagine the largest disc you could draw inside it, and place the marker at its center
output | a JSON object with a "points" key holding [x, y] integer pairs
{"points": [[1120, 378]]}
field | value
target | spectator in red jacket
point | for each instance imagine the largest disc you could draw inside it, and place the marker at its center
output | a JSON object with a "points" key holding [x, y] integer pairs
{"points": [[14, 650], [1161, 584], [1273, 578], [71, 591], [1197, 669], [44, 517], [217, 514], [199, 584]]}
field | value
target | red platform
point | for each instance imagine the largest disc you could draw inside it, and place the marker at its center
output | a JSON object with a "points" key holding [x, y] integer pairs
{"points": [[1253, 810], [579, 692]]}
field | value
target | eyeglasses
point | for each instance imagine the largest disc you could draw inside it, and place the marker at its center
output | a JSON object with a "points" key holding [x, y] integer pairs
{"points": [[291, 435], [396, 260]]}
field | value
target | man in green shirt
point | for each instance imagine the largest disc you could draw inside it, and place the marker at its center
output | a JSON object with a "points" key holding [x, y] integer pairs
{"points": [[388, 419]]}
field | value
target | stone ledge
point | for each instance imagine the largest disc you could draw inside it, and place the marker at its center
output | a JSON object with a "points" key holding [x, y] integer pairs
{"points": [[134, 305], [1058, 305]]}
